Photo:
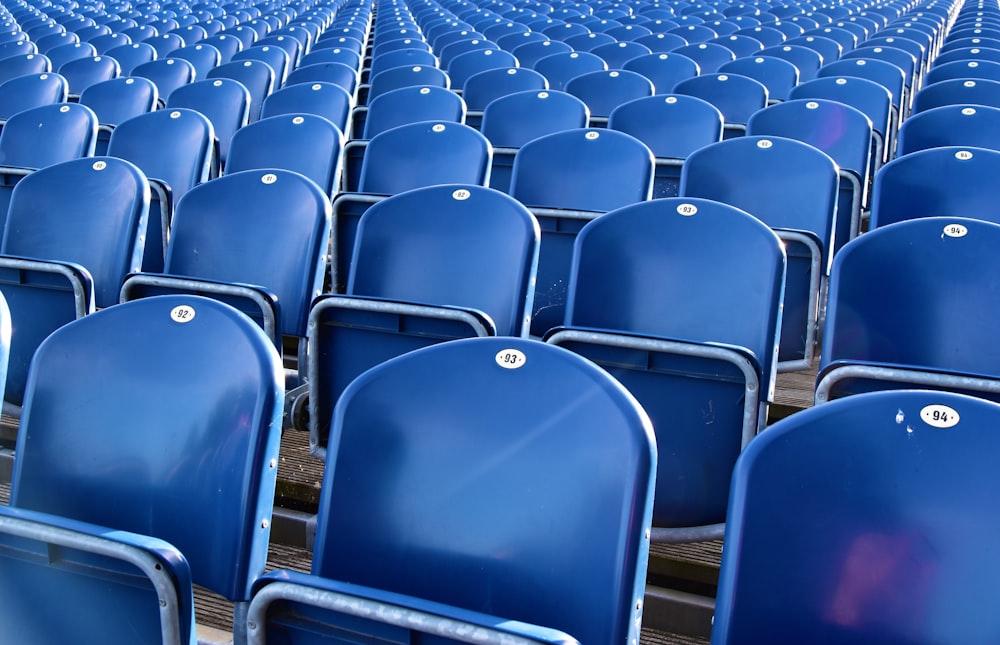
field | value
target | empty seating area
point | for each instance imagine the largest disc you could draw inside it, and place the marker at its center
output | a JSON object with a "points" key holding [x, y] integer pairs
{"points": [[494, 321]]}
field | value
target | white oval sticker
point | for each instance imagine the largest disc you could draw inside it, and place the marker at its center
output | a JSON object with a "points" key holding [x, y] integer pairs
{"points": [[963, 155], [687, 210], [939, 416], [955, 230], [461, 194], [764, 144], [510, 359], [182, 314]]}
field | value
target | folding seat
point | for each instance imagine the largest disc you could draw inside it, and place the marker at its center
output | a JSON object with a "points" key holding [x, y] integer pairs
{"points": [[410, 105], [30, 91], [709, 56], [871, 98], [564, 30], [736, 96], [588, 41], [482, 88], [847, 40], [276, 57], [347, 42], [81, 73], [530, 53], [48, 43], [81, 223], [695, 34], [167, 73], [287, 43], [792, 187], [257, 76], [324, 99], [282, 219], [807, 61], [415, 155], [131, 56], [568, 178], [466, 65], [203, 57], [828, 496], [395, 78], [672, 126], [343, 55], [916, 50], [511, 121], [592, 592], [947, 181], [477, 249], [116, 100], [901, 59], [828, 49], [764, 34], [967, 54], [974, 69], [165, 43], [23, 64], [619, 53], [404, 44], [887, 74], [776, 74], [410, 57], [651, 298], [950, 125], [842, 132], [149, 483], [227, 44], [191, 33], [138, 33], [664, 70], [454, 49], [175, 150], [741, 46], [305, 143], [226, 103], [17, 48], [336, 73], [660, 43], [558, 69]]}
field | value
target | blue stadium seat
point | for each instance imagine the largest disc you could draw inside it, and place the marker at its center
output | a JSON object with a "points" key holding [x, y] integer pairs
{"points": [[227, 44], [257, 76], [415, 155], [568, 178], [776, 74], [73, 231], [483, 87], [792, 187], [409, 104], [882, 72], [709, 56], [673, 126], [840, 131], [81, 73], [591, 593], [69, 52], [967, 54], [117, 100], [511, 121], [203, 57], [276, 57], [603, 91], [152, 477], [226, 103], [165, 43], [343, 55], [336, 73], [22, 64], [30, 91], [664, 70], [305, 143], [323, 99], [395, 78], [167, 73], [175, 150], [400, 58], [736, 96], [478, 251], [130, 56], [950, 125], [653, 296], [953, 181], [935, 260], [618, 53], [529, 54], [976, 69], [463, 66], [558, 69], [844, 520], [807, 61]]}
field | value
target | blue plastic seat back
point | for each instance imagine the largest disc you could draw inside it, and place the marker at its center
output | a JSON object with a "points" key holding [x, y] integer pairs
{"points": [[203, 57], [410, 105], [273, 55], [736, 96], [44, 135], [21, 64], [482, 88], [977, 69], [31, 90], [226, 103], [165, 43], [632, 268], [558, 69], [395, 78], [931, 267], [465, 65], [256, 75], [588, 41], [583, 169], [227, 44], [513, 120], [709, 56], [910, 65], [69, 52], [401, 58], [81, 73], [826, 497], [807, 61], [336, 73], [882, 72], [563, 418], [455, 49], [871, 98], [120, 99], [664, 70], [603, 91], [449, 230], [618, 53], [323, 99], [953, 181], [282, 220], [673, 126], [425, 153], [18, 47], [950, 125], [967, 54], [130, 56], [305, 143], [194, 465], [343, 55], [695, 33], [661, 43], [776, 74], [528, 54], [828, 48], [167, 73], [290, 44], [766, 35]]}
